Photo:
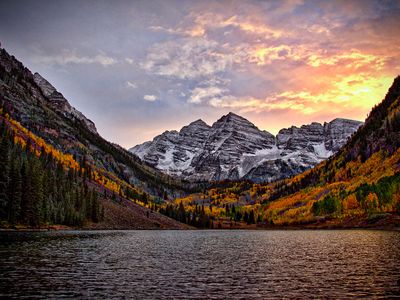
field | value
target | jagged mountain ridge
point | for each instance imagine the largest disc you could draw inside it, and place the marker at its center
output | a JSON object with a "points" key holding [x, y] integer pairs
{"points": [[233, 148], [61, 104]]}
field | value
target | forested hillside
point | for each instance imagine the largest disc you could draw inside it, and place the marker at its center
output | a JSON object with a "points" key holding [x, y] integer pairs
{"points": [[36, 188], [56, 169], [41, 187]]}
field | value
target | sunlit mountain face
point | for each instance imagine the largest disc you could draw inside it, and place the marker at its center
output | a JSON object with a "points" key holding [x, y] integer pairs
{"points": [[137, 68]]}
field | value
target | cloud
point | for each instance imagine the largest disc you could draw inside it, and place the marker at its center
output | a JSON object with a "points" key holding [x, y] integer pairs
{"points": [[195, 31], [352, 92], [249, 26], [200, 94], [187, 58], [67, 57], [353, 59], [131, 85], [245, 104], [129, 60], [311, 55], [261, 61], [199, 24], [266, 55], [150, 98]]}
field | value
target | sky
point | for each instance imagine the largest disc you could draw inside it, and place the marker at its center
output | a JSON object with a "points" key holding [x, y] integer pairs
{"points": [[138, 68]]}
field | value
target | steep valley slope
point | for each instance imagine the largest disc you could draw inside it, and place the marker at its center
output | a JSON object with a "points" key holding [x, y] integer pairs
{"points": [[43, 132]]}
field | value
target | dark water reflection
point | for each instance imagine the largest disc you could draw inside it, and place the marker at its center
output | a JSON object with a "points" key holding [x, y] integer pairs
{"points": [[200, 264]]}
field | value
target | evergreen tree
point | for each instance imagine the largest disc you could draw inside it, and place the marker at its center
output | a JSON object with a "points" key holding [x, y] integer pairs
{"points": [[14, 193], [181, 213], [246, 217], [251, 219], [26, 196], [37, 192], [95, 207], [4, 167]]}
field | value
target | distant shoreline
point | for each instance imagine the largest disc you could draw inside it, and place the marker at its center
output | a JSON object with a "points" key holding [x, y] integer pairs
{"points": [[374, 222], [258, 228]]}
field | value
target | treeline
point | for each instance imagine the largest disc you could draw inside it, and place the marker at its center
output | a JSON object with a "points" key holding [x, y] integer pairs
{"points": [[198, 217], [327, 206], [234, 186], [235, 214], [287, 187], [371, 198], [38, 191]]}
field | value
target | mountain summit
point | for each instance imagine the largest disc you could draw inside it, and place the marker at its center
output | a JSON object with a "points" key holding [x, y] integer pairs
{"points": [[234, 148]]}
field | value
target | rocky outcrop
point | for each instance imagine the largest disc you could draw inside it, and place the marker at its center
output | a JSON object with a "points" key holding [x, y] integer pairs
{"points": [[234, 148], [229, 139], [174, 151], [58, 102]]}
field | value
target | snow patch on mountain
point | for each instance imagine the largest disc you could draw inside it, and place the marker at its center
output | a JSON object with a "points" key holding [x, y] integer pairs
{"points": [[321, 151]]}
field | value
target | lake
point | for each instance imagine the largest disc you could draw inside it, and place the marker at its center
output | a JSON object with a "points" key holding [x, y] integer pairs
{"points": [[200, 264]]}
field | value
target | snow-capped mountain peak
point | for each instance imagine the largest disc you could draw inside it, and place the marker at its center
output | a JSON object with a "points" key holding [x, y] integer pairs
{"points": [[234, 148]]}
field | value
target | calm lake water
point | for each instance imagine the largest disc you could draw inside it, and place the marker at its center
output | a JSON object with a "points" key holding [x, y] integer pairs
{"points": [[200, 264]]}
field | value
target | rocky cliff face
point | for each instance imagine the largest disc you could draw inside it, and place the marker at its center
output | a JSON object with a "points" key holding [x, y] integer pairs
{"points": [[234, 148], [61, 104]]}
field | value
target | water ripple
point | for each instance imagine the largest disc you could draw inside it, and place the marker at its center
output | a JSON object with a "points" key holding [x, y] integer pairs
{"points": [[200, 264]]}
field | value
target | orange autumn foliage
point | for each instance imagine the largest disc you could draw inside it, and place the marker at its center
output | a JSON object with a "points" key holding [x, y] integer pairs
{"points": [[37, 145]]}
